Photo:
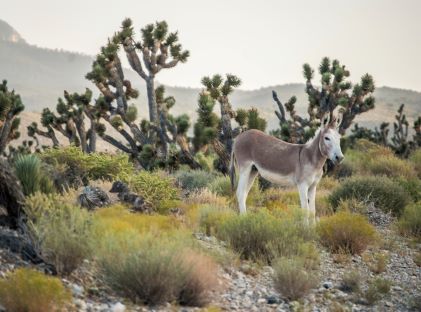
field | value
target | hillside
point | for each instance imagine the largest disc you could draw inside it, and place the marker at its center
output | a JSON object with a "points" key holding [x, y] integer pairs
{"points": [[40, 75]]}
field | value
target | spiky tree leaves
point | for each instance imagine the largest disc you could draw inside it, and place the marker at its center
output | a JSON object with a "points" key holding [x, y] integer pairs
{"points": [[206, 127], [10, 107], [69, 120], [336, 90], [158, 49]]}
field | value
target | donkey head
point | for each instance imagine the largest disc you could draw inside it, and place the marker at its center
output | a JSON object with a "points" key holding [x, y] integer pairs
{"points": [[330, 139]]}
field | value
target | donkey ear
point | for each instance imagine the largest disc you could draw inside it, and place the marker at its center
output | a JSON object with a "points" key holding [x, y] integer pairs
{"points": [[326, 119], [339, 119]]}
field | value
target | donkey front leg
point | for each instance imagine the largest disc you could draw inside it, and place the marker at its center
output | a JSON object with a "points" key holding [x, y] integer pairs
{"points": [[312, 200], [243, 187], [303, 190]]}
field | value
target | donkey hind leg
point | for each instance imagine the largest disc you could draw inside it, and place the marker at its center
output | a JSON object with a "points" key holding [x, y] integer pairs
{"points": [[253, 174], [242, 187], [304, 199]]}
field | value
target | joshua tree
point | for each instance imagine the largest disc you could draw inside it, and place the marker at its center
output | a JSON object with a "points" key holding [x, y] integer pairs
{"points": [[10, 107], [335, 91], [249, 119], [219, 90], [159, 49], [70, 121], [207, 126]]}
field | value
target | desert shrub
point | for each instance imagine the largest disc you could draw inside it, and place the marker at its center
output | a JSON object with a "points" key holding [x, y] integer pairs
{"points": [[28, 169], [379, 263], [201, 277], [117, 219], [383, 192], [417, 258], [62, 230], [205, 161], [211, 217], [221, 186], [164, 270], [415, 158], [193, 180], [156, 189], [31, 291], [346, 231], [264, 236], [351, 282], [377, 288], [388, 165], [412, 186], [205, 196], [327, 183], [410, 221], [292, 278], [352, 205], [323, 207], [344, 170], [73, 167]]}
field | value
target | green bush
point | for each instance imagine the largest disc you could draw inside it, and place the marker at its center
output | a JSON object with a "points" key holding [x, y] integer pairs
{"points": [[410, 221], [164, 269], [412, 186], [345, 231], [212, 216], [194, 180], [62, 230], [29, 171], [221, 186], [351, 282], [415, 158], [156, 189], [263, 236], [383, 192], [73, 167], [292, 278], [31, 291]]}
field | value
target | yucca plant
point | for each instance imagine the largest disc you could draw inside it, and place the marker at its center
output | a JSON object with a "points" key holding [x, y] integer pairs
{"points": [[28, 171]]}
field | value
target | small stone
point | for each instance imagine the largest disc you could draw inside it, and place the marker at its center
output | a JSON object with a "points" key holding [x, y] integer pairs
{"points": [[327, 285], [249, 293], [272, 300], [118, 307], [77, 290], [80, 304], [388, 304], [261, 300]]}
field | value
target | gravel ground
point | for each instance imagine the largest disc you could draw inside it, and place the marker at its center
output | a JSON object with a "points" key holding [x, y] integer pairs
{"points": [[245, 286]]}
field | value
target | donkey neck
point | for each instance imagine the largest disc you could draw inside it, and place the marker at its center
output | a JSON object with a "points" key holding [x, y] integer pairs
{"points": [[312, 154]]}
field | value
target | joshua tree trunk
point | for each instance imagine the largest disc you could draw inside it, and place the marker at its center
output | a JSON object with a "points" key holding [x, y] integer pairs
{"points": [[4, 135], [153, 107]]}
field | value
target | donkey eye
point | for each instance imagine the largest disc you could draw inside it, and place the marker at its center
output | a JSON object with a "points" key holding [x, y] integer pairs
{"points": [[327, 139]]}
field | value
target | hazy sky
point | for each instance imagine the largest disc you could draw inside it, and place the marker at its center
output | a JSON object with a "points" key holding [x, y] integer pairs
{"points": [[264, 42]]}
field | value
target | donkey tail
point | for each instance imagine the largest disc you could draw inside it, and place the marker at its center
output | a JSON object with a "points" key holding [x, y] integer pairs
{"points": [[232, 170]]}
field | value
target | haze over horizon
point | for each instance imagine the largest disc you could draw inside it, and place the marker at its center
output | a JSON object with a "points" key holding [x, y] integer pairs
{"points": [[264, 42]]}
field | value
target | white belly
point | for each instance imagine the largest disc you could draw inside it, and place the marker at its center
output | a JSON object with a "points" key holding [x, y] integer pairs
{"points": [[282, 180]]}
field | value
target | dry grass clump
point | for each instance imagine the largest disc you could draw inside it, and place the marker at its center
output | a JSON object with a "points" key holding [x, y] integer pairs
{"points": [[351, 282], [415, 158], [345, 231], [383, 192], [156, 270], [31, 291], [263, 236], [353, 205], [212, 217], [379, 263], [63, 231], [193, 180], [377, 288], [200, 279], [206, 196], [292, 278], [410, 221]]}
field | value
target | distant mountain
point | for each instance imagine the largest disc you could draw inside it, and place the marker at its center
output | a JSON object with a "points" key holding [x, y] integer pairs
{"points": [[8, 33], [40, 75]]}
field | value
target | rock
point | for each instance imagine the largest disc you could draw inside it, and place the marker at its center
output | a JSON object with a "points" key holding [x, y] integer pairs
{"points": [[2, 309], [328, 285], [272, 300], [80, 304], [261, 300], [77, 290], [118, 307]]}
